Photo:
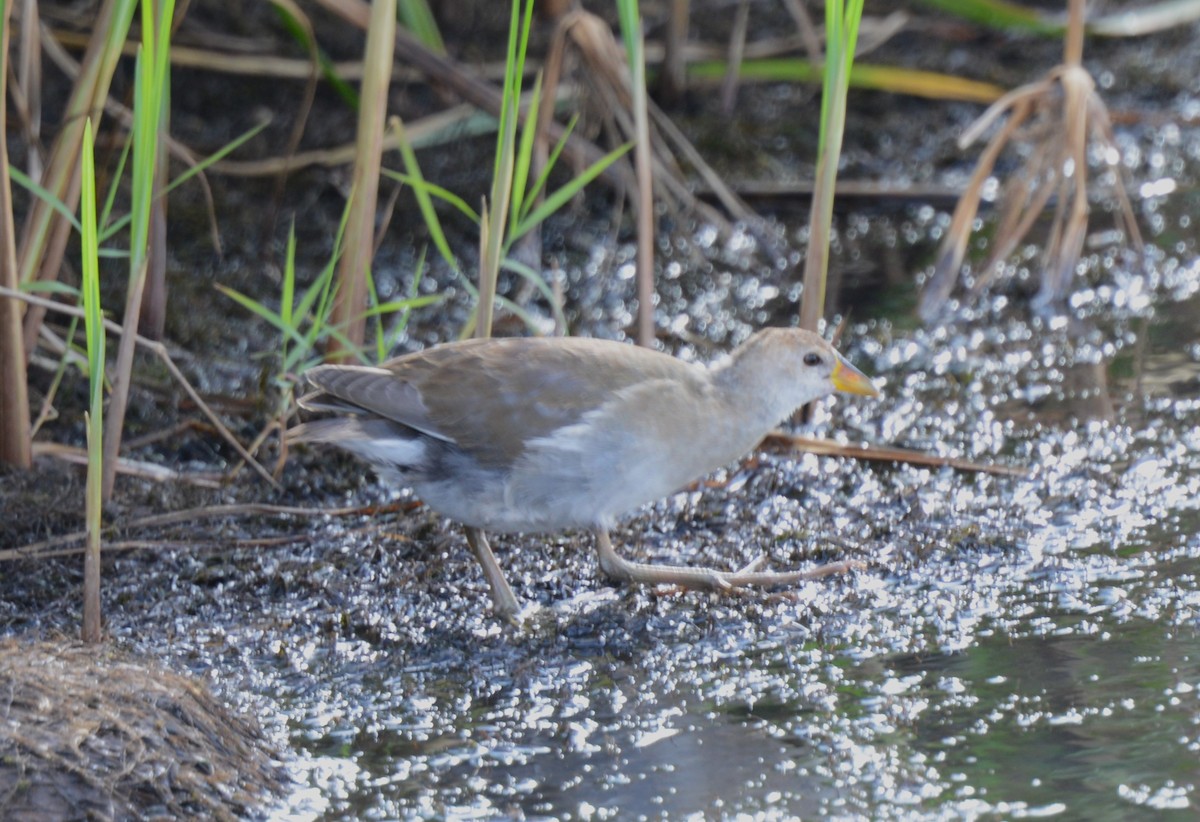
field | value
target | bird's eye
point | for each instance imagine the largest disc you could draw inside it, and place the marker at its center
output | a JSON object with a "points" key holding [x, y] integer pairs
{"points": [[812, 358]]}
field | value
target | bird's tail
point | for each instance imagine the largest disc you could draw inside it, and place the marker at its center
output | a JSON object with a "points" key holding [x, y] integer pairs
{"points": [[384, 443]]}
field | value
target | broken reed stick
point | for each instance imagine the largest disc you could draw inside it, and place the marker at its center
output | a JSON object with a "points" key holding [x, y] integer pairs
{"points": [[879, 453], [159, 350], [61, 545]]}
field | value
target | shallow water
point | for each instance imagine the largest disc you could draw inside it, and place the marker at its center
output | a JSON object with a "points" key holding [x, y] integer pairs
{"points": [[1016, 646]]}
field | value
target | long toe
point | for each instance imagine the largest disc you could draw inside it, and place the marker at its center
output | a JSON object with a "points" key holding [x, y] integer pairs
{"points": [[617, 567]]}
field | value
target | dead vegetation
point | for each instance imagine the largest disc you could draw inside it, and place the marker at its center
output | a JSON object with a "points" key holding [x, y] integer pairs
{"points": [[1057, 120], [90, 733]]}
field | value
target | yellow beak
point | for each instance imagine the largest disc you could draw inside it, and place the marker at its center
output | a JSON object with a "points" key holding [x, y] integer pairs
{"points": [[849, 379]]}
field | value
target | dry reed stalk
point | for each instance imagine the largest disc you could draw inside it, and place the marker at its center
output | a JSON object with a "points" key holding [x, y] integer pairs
{"points": [[643, 167], [350, 302], [14, 396], [734, 57], [45, 232], [27, 94], [608, 96], [151, 104], [160, 351], [124, 115], [673, 82]]}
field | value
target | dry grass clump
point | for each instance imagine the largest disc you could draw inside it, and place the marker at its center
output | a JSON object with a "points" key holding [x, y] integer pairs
{"points": [[1057, 118], [88, 733]]}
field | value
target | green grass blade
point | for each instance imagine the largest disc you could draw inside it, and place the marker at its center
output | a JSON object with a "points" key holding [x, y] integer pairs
{"points": [[191, 172], [558, 198], [1000, 14], [424, 202], [929, 84], [348, 345], [404, 304], [443, 194], [627, 16], [94, 331], [401, 323], [114, 187], [514, 70], [51, 287], [300, 34], [417, 18], [315, 294], [288, 295], [510, 71], [255, 307], [539, 282], [841, 31], [22, 179], [217, 156], [93, 320], [551, 161], [323, 289], [524, 159]]}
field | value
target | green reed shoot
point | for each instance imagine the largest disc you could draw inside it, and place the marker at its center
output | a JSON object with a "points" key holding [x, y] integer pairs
{"points": [[515, 206], [841, 36], [151, 91], [94, 329], [418, 18]]}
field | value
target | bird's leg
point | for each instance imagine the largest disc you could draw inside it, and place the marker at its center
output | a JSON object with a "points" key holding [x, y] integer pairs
{"points": [[504, 602], [617, 567]]}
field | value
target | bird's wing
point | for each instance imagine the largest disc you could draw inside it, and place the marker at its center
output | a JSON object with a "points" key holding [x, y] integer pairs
{"points": [[357, 390], [493, 396]]}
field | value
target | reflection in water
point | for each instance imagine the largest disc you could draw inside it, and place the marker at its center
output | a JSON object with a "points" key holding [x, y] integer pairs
{"points": [[1086, 387], [1076, 699], [1093, 720]]}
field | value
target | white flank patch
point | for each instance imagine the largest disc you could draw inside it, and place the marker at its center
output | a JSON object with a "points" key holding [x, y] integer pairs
{"points": [[397, 451], [576, 437], [568, 438]]}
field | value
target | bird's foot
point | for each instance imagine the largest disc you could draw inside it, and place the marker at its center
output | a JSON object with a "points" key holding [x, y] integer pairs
{"points": [[531, 617], [719, 580], [749, 576]]}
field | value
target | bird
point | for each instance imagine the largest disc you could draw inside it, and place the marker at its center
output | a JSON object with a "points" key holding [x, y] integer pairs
{"points": [[545, 434]]}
